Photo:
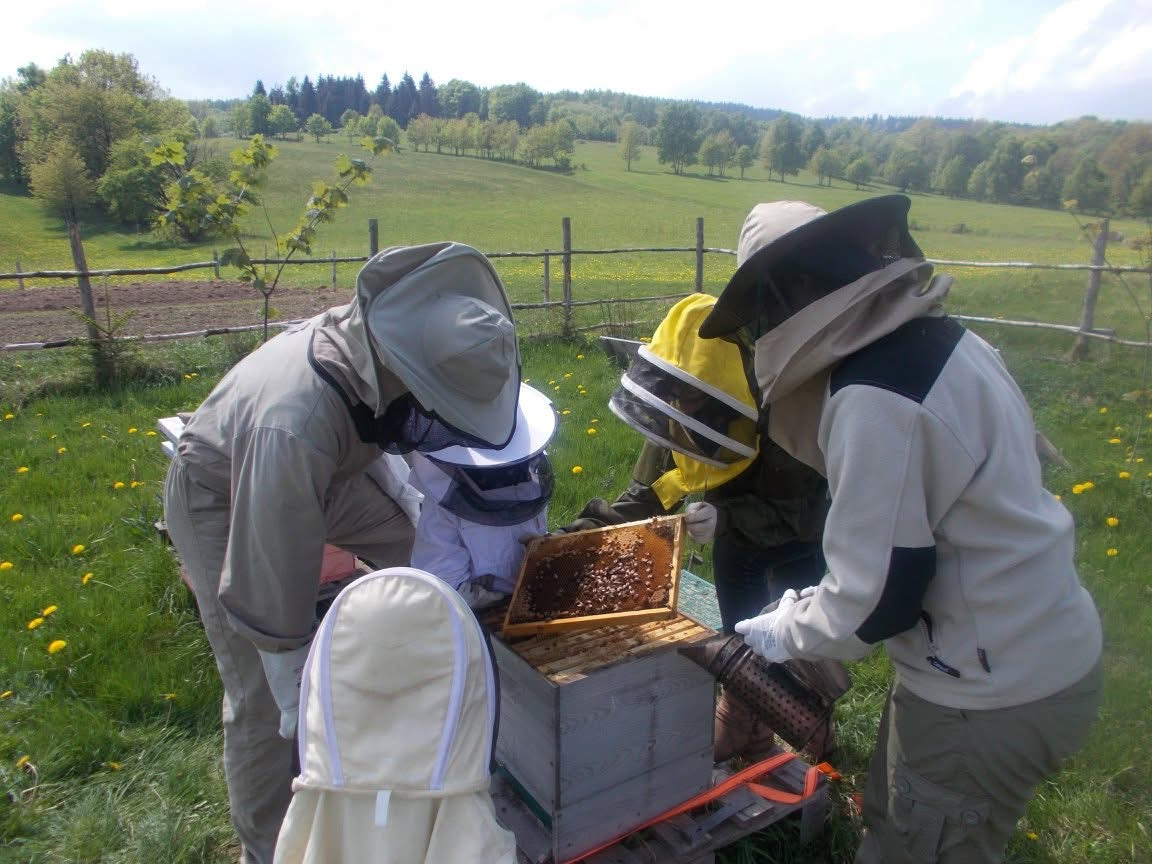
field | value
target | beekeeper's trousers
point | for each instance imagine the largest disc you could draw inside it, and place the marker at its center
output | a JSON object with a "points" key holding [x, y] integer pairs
{"points": [[257, 761], [947, 786]]}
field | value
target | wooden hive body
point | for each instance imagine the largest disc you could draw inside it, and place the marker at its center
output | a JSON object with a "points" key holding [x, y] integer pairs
{"points": [[604, 729]]}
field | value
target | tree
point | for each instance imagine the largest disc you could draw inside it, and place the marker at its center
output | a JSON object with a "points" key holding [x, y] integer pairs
{"points": [[259, 110], [906, 169], [61, 181], [814, 138], [458, 98], [825, 165], [745, 158], [1088, 187], [631, 136], [382, 94], [1140, 199], [281, 121], [717, 151], [307, 104], [133, 187], [678, 136], [953, 177], [318, 126], [512, 102], [427, 99], [404, 104], [978, 182], [859, 171], [780, 147]]}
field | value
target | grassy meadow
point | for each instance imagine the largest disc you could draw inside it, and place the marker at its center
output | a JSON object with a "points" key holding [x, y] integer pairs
{"points": [[109, 700]]}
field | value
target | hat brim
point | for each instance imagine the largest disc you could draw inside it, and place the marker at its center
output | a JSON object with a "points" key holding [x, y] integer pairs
{"points": [[535, 426], [736, 305]]}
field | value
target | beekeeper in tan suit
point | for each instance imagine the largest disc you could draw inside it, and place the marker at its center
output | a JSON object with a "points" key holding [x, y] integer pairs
{"points": [[283, 457], [397, 721]]}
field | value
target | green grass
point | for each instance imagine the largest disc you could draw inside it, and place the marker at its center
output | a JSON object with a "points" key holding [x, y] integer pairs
{"points": [[121, 725]]}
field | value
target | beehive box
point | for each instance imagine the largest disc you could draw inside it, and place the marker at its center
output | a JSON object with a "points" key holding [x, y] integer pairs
{"points": [[601, 730], [619, 574]]}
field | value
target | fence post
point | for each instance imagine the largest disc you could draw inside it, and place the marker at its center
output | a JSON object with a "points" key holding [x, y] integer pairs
{"points": [[566, 230], [333, 269], [1088, 309], [216, 261], [547, 277], [699, 253], [19, 281], [373, 237]]}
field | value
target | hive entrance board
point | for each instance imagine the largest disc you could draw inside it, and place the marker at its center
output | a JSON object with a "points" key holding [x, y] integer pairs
{"points": [[616, 575]]}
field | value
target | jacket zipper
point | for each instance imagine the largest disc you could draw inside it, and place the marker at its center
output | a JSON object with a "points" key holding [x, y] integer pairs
{"points": [[933, 659]]}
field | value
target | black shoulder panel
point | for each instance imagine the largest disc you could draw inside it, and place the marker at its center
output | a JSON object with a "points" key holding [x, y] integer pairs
{"points": [[906, 361]]}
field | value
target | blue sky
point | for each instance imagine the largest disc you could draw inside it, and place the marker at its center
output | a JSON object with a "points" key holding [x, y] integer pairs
{"points": [[1014, 60]]}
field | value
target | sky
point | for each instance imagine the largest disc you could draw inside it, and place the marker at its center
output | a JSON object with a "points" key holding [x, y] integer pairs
{"points": [[1025, 61]]}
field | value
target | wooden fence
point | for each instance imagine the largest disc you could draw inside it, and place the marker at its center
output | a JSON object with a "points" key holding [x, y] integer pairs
{"points": [[567, 302]]}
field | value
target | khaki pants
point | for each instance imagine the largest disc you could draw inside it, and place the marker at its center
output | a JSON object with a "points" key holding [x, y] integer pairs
{"points": [[947, 786], [257, 761]]}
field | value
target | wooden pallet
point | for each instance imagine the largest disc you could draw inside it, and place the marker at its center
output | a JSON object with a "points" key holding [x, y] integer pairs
{"points": [[688, 838]]}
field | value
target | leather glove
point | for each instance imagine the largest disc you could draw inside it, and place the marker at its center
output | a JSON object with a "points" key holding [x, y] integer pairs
{"points": [[761, 633], [700, 521], [283, 669], [478, 597]]}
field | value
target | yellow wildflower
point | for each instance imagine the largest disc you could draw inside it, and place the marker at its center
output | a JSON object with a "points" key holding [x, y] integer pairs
{"points": [[48, 610], [23, 469], [594, 420], [579, 356], [131, 430], [60, 451], [1112, 521], [1078, 488], [7, 694], [85, 425], [169, 696], [576, 469], [113, 766], [565, 412], [17, 517], [6, 565], [119, 484], [136, 483], [78, 548], [22, 761], [553, 381], [34, 623], [591, 431], [1104, 410], [1124, 475], [1113, 440], [1032, 835], [9, 416], [1112, 553], [1058, 498], [86, 578], [151, 433], [57, 646], [1088, 484], [187, 377]]}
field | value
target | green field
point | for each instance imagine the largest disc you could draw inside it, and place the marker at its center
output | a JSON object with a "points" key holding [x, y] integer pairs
{"points": [[109, 748]]}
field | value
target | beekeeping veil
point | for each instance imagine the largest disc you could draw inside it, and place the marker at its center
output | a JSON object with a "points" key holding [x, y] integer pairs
{"points": [[500, 487], [812, 288], [397, 715], [691, 396]]}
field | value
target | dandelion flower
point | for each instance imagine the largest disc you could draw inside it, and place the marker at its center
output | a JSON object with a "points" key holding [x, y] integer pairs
{"points": [[136, 483], [48, 610], [86, 578], [1032, 835], [60, 451], [1078, 488], [17, 517], [113, 766], [1088, 484], [132, 430], [7, 694], [85, 425], [9, 416], [187, 377], [169, 697], [1112, 553], [6, 565], [553, 381], [34, 623], [57, 646], [1104, 409], [23, 469], [78, 548], [594, 420], [1113, 440], [1112, 521], [567, 374], [579, 356], [119, 484], [1124, 475], [591, 431], [22, 761], [576, 469], [151, 433]]}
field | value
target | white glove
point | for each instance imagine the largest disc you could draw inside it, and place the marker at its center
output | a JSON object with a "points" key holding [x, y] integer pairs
{"points": [[478, 597], [805, 593], [283, 669], [700, 520], [761, 633]]}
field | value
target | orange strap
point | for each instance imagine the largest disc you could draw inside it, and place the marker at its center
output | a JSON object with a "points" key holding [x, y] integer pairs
{"points": [[743, 778]]}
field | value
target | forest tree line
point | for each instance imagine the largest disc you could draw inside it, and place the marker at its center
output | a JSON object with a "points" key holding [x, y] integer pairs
{"points": [[83, 134]]}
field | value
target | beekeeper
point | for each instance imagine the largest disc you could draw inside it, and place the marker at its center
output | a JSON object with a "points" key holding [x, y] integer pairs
{"points": [[941, 541], [283, 456], [704, 436], [480, 502], [397, 728]]}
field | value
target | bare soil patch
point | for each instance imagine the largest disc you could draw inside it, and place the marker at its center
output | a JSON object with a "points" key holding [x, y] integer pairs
{"points": [[42, 314]]}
